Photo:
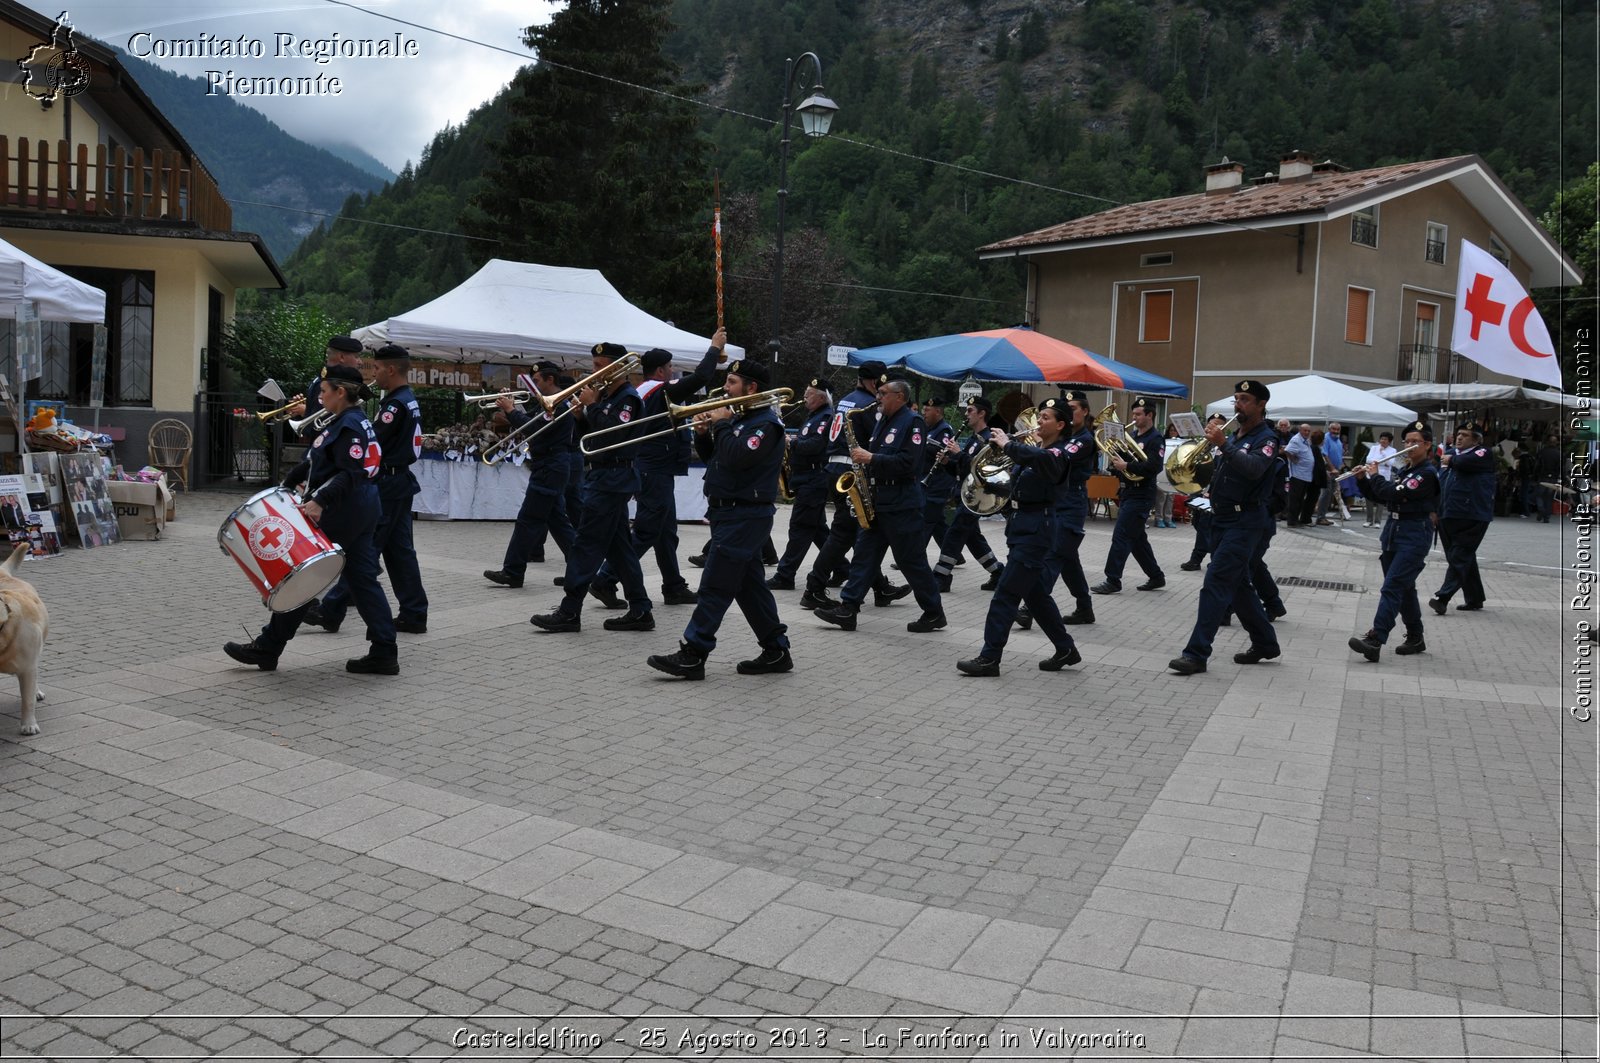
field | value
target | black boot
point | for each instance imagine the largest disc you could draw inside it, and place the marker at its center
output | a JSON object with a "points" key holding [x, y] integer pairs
{"points": [[818, 600], [1368, 646], [841, 615], [886, 593], [770, 661], [376, 662], [1412, 644], [253, 652], [927, 622], [1024, 619], [979, 666], [607, 595], [1080, 615], [502, 577], [992, 582], [687, 663], [631, 622]]}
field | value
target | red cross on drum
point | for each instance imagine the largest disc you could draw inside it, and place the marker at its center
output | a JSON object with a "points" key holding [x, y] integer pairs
{"points": [[283, 554]]}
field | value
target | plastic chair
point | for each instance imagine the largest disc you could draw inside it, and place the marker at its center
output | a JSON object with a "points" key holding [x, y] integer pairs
{"points": [[170, 444]]}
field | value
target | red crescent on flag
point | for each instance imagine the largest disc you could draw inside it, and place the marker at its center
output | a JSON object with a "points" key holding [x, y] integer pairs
{"points": [[1519, 319]]}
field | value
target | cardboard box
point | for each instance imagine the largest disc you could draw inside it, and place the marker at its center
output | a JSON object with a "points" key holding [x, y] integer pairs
{"points": [[141, 508]]}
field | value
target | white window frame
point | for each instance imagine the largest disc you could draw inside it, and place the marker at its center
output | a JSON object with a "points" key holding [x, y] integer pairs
{"points": [[1444, 241], [1172, 311], [1372, 299], [1370, 213]]}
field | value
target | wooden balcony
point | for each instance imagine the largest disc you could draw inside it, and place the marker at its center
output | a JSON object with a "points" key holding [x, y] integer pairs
{"points": [[39, 178]]}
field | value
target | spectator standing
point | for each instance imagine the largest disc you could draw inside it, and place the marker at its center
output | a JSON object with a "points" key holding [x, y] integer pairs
{"points": [[1302, 468]]}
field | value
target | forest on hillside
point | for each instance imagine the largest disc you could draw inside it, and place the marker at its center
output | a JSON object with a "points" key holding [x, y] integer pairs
{"points": [[1006, 119]]}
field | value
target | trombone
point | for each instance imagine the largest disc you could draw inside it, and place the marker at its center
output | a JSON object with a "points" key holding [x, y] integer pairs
{"points": [[562, 401], [490, 399], [274, 416], [676, 416]]}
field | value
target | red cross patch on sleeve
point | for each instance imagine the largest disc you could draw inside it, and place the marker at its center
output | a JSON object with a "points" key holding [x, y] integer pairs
{"points": [[1266, 448], [625, 415], [388, 416], [356, 450], [916, 437], [754, 442]]}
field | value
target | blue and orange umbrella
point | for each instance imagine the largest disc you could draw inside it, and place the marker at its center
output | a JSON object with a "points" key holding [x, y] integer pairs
{"points": [[1017, 354]]}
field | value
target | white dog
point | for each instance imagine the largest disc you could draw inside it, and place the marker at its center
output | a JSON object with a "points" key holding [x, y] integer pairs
{"points": [[24, 624]]}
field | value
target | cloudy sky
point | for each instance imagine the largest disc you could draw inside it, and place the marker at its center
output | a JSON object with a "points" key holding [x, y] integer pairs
{"points": [[389, 108]]}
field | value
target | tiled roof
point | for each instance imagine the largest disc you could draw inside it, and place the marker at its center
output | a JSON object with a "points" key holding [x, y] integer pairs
{"points": [[1317, 192]]}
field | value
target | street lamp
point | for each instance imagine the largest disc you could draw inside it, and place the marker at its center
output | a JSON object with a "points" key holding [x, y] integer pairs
{"points": [[816, 115]]}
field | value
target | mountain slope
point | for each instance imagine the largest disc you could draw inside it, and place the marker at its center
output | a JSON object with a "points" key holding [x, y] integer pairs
{"points": [[254, 160]]}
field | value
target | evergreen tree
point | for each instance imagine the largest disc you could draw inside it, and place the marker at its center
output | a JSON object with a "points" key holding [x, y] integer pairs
{"points": [[602, 175]]}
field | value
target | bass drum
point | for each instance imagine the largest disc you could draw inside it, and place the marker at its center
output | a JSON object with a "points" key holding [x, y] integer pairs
{"points": [[284, 555]]}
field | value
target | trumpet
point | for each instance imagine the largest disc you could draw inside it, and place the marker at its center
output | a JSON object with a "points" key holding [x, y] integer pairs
{"points": [[491, 399], [274, 416], [676, 416], [318, 421], [560, 405]]}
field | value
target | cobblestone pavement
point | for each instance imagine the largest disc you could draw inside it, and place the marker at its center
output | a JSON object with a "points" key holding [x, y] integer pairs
{"points": [[868, 857]]}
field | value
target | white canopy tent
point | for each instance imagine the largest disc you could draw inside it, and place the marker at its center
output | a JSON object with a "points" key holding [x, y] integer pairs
{"points": [[1474, 397], [522, 311], [54, 295], [1318, 399]]}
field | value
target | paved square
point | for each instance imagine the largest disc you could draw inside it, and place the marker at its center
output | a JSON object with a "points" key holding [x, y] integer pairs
{"points": [[869, 856]]}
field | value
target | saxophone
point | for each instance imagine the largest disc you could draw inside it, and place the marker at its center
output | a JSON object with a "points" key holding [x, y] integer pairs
{"points": [[854, 484]]}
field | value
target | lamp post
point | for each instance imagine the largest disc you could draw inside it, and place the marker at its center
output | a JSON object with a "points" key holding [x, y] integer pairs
{"points": [[816, 115]]}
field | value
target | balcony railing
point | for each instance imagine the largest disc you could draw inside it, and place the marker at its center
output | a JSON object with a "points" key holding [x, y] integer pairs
{"points": [[1434, 365], [1363, 231], [38, 178], [1435, 251]]}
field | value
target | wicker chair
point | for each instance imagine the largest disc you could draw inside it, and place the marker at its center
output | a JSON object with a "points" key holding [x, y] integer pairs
{"points": [[171, 442]]}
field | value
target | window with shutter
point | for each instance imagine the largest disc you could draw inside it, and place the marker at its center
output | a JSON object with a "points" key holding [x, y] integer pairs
{"points": [[1155, 317], [1357, 315]]}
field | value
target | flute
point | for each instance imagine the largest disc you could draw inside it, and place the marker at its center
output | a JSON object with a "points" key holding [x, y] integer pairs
{"points": [[1392, 457]]}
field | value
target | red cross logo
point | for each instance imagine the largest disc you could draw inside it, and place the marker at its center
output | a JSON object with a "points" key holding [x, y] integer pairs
{"points": [[271, 537], [1480, 306]]}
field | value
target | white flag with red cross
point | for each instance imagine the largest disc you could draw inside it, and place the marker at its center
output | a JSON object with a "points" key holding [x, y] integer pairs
{"points": [[1496, 324]]}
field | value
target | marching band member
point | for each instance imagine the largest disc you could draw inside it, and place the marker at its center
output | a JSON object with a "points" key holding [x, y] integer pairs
{"points": [[939, 484], [1412, 495], [1135, 498], [544, 501], [399, 432], [808, 479], [842, 532], [1239, 490], [341, 350], [743, 454], [1072, 506], [1466, 506], [660, 462], [965, 530], [1030, 571], [894, 467], [342, 499], [608, 482]]}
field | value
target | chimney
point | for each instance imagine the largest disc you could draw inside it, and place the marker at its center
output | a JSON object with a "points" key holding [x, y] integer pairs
{"points": [[1294, 166], [1329, 166], [1224, 176]]}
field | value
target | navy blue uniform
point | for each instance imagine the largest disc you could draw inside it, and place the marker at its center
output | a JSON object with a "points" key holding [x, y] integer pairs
{"points": [[660, 462], [1240, 487], [608, 481], [1134, 501], [1072, 510], [544, 509], [1466, 506], [1031, 549], [842, 532], [743, 456], [811, 484], [895, 473], [965, 532], [939, 483], [1412, 495], [338, 472], [399, 434]]}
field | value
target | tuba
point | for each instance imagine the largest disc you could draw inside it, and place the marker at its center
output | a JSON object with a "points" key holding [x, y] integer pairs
{"points": [[1122, 446], [987, 486], [854, 484], [1191, 463]]}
